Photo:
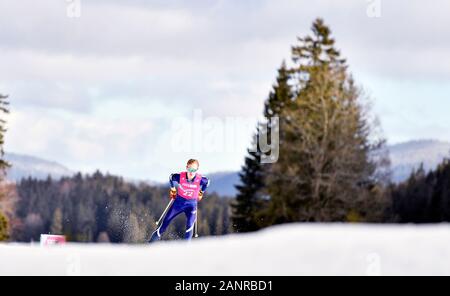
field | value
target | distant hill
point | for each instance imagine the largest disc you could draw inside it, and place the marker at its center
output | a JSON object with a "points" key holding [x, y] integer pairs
{"points": [[223, 183], [24, 166], [408, 156]]}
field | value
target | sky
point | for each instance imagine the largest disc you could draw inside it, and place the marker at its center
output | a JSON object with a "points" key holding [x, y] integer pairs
{"points": [[135, 88]]}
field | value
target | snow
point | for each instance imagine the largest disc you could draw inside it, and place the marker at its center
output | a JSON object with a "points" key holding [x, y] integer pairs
{"points": [[292, 249]]}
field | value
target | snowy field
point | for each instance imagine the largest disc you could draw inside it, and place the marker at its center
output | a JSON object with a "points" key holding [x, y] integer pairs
{"points": [[295, 249]]}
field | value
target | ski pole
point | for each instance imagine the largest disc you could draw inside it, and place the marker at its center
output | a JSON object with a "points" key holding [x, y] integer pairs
{"points": [[165, 211], [196, 223]]}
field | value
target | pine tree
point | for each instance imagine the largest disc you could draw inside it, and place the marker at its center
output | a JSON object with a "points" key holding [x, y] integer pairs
{"points": [[279, 103], [4, 231], [424, 197], [326, 154], [250, 200], [280, 97], [440, 204], [247, 202]]}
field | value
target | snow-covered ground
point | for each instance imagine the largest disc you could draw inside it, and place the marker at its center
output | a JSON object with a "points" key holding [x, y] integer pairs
{"points": [[295, 249]]}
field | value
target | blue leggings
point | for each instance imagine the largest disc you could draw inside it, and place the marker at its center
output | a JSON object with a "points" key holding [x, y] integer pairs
{"points": [[180, 205]]}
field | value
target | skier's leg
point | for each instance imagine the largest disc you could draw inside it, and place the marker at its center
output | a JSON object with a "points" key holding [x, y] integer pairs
{"points": [[191, 216], [174, 210]]}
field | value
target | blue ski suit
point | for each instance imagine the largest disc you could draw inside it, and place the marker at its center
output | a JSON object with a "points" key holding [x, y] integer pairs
{"points": [[181, 205]]}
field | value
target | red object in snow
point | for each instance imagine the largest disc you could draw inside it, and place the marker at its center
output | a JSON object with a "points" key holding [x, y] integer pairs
{"points": [[50, 240]]}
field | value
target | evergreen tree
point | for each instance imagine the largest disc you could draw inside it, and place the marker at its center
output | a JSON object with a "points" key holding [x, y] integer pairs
{"points": [[326, 153], [278, 104], [424, 197], [247, 202], [280, 97], [440, 201], [250, 199], [4, 231]]}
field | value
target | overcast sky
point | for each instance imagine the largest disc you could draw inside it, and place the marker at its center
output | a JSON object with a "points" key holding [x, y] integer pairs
{"points": [[106, 85]]}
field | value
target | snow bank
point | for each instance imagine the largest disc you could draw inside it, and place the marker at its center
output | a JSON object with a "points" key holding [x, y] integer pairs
{"points": [[294, 249]]}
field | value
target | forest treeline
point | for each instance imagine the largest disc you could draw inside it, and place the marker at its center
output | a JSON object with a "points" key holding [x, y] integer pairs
{"points": [[104, 208]]}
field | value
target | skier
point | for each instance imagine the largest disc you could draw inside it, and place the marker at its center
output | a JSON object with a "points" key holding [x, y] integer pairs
{"points": [[191, 187]]}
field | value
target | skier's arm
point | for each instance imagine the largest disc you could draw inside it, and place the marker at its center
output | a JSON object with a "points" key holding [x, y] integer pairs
{"points": [[173, 190], [204, 183], [174, 178]]}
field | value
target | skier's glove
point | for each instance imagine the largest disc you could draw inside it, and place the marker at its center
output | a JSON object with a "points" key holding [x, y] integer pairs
{"points": [[173, 193], [200, 195]]}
